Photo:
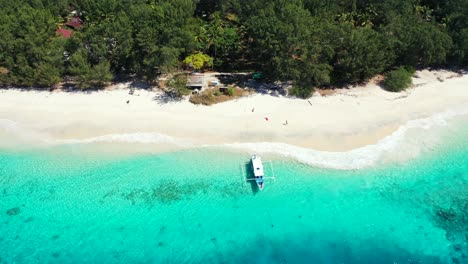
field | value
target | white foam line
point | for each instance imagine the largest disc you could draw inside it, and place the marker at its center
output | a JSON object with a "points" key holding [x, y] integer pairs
{"points": [[144, 138], [356, 158], [353, 159]]}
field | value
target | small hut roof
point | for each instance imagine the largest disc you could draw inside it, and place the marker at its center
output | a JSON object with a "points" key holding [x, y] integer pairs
{"points": [[64, 32], [195, 80], [75, 22]]}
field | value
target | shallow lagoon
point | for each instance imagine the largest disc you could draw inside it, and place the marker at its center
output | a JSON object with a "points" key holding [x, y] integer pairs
{"points": [[68, 204]]}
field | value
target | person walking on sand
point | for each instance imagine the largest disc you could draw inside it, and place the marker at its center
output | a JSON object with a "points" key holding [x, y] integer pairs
{"points": [[253, 109], [286, 123]]}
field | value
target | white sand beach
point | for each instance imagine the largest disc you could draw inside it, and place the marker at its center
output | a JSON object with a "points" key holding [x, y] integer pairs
{"points": [[347, 119]]}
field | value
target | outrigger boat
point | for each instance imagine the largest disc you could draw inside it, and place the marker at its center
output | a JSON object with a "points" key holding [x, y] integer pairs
{"points": [[257, 167]]}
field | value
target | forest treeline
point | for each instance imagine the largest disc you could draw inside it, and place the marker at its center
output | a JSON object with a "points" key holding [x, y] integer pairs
{"points": [[310, 42]]}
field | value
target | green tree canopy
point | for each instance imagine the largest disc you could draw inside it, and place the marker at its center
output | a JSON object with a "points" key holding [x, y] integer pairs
{"points": [[198, 61], [309, 42], [360, 54]]}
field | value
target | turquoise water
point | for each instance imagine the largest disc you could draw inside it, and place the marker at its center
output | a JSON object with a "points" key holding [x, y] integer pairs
{"points": [[68, 204]]}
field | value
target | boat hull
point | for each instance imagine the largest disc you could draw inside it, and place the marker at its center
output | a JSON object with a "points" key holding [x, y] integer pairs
{"points": [[260, 185], [257, 168]]}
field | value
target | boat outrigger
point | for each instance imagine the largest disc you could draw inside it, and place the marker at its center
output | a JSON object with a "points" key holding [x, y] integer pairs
{"points": [[257, 168]]}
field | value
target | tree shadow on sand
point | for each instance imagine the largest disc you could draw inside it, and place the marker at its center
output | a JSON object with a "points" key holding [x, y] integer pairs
{"points": [[167, 98], [246, 81]]}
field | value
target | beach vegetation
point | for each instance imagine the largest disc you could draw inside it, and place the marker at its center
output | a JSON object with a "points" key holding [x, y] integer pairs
{"points": [[399, 79], [47, 75], [230, 91], [177, 86], [215, 96], [301, 91], [100, 74], [204, 98], [311, 43]]}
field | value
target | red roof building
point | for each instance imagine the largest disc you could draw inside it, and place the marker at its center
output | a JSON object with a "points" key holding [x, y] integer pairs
{"points": [[75, 22], [64, 32]]}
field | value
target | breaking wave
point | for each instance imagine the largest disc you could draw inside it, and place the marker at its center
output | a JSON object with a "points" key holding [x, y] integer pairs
{"points": [[356, 158], [145, 138]]}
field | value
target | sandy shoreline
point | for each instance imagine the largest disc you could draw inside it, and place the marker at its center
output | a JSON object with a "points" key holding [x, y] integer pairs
{"points": [[346, 120]]}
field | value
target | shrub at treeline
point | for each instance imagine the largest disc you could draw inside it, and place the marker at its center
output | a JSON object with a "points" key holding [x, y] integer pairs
{"points": [[311, 42], [398, 79]]}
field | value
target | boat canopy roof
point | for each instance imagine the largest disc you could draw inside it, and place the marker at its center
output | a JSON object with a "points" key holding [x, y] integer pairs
{"points": [[257, 165]]}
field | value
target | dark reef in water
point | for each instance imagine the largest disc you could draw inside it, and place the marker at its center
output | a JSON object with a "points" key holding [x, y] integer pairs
{"points": [[444, 201], [454, 220], [13, 211], [29, 219], [449, 208], [166, 191]]}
